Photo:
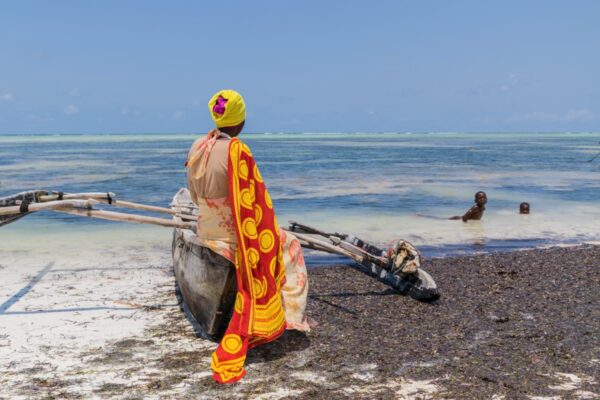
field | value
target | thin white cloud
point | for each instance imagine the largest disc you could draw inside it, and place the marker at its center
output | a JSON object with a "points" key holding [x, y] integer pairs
{"points": [[177, 115], [485, 120], [507, 84], [534, 116], [129, 112], [576, 115], [583, 114], [510, 83], [7, 97], [71, 109], [74, 92]]}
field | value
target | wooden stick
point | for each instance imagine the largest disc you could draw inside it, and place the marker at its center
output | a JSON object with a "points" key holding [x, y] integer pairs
{"points": [[103, 197], [313, 246], [337, 239], [124, 217], [353, 248], [178, 207], [138, 206], [188, 217], [325, 246], [86, 200], [70, 196], [49, 205]]}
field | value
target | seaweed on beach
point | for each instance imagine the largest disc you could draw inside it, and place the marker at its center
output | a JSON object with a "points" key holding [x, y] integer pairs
{"points": [[507, 323]]}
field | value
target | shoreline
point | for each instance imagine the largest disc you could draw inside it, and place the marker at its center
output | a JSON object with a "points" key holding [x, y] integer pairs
{"points": [[43, 229], [509, 325]]}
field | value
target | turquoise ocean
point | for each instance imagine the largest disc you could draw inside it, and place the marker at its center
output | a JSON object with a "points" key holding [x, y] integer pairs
{"points": [[374, 186]]}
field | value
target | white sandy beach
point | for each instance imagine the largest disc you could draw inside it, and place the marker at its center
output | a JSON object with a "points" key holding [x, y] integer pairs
{"points": [[73, 299]]}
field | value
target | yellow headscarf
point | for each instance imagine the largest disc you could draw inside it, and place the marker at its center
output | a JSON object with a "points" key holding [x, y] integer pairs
{"points": [[227, 108]]}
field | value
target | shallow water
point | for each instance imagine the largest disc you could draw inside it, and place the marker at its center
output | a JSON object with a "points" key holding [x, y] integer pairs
{"points": [[371, 185]]}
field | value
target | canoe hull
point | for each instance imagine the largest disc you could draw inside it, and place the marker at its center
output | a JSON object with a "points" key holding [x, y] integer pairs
{"points": [[206, 280]]}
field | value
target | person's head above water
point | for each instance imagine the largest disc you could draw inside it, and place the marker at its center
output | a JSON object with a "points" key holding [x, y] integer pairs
{"points": [[524, 208], [480, 198], [228, 111]]}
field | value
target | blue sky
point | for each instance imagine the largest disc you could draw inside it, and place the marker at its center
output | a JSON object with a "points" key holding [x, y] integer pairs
{"points": [[311, 66]]}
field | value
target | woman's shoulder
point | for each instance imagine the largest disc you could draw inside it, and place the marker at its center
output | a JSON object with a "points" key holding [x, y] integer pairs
{"points": [[197, 142], [194, 147]]}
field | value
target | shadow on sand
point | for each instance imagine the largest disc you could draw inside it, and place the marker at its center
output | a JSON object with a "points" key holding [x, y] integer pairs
{"points": [[321, 298], [289, 342], [21, 293]]}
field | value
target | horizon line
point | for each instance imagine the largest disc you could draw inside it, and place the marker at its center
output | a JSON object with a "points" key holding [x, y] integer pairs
{"points": [[295, 132]]}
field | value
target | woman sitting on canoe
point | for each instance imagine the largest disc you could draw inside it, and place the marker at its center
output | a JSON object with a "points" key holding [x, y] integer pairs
{"points": [[237, 221]]}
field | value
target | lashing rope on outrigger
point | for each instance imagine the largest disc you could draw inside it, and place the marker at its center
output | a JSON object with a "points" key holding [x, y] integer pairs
{"points": [[24, 207]]}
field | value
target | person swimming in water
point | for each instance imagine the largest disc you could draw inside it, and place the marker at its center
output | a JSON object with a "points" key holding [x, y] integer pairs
{"points": [[524, 208], [475, 212]]}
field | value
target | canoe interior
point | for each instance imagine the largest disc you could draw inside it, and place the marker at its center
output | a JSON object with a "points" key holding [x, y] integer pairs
{"points": [[206, 280]]}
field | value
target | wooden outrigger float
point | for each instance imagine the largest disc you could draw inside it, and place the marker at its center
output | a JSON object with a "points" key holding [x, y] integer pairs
{"points": [[208, 288]]}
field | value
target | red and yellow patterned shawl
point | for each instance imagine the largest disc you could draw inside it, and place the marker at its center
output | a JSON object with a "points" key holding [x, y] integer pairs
{"points": [[258, 315]]}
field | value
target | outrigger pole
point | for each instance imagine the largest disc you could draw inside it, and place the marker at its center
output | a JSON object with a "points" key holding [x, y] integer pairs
{"points": [[81, 204]]}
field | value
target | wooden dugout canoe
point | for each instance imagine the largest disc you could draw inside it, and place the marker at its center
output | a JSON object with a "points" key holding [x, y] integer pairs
{"points": [[206, 280]]}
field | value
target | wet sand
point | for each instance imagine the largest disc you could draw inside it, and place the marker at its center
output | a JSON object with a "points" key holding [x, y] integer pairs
{"points": [[508, 326]]}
